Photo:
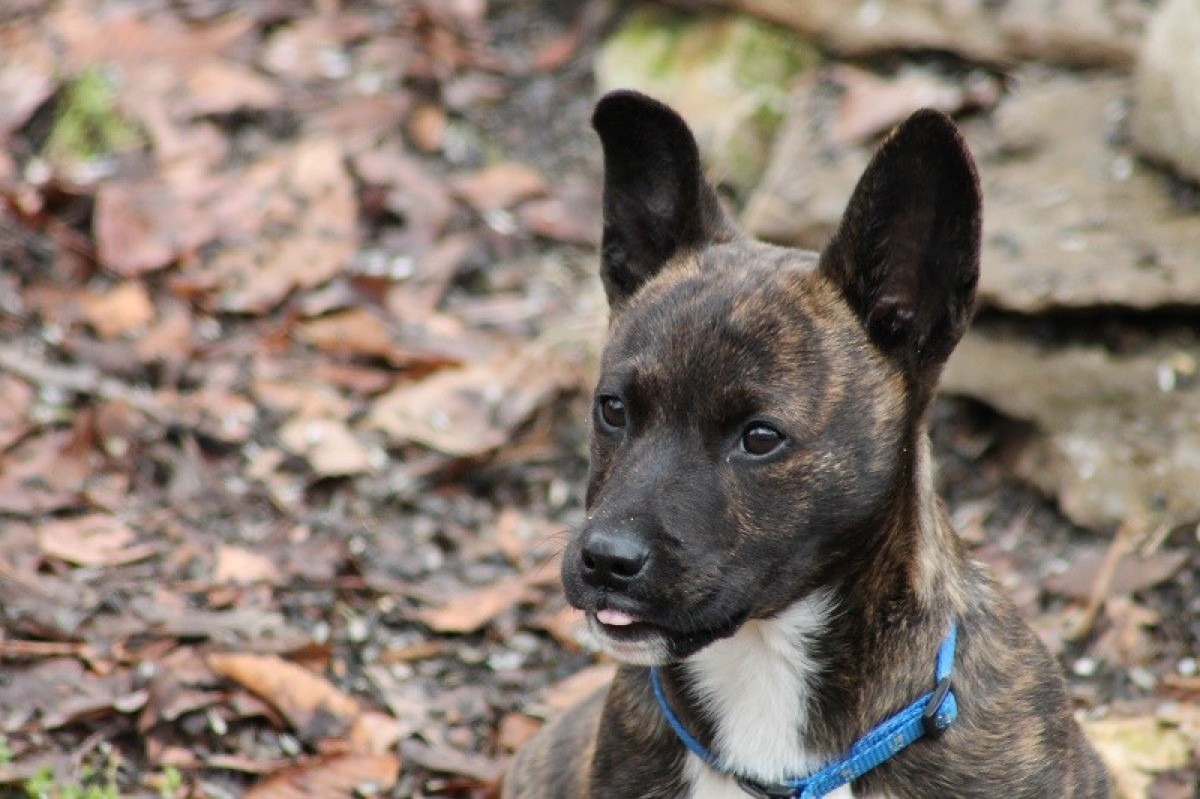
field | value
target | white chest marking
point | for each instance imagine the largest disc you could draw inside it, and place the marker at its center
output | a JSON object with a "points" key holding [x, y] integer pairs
{"points": [[756, 686]]}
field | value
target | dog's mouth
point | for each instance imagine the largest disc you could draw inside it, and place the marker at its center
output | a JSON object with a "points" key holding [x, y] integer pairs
{"points": [[632, 639]]}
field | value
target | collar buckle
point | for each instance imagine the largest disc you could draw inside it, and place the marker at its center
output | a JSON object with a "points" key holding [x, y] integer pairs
{"points": [[933, 722], [761, 791]]}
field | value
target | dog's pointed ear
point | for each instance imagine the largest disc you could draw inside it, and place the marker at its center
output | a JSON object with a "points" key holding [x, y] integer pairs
{"points": [[656, 200], [906, 254]]}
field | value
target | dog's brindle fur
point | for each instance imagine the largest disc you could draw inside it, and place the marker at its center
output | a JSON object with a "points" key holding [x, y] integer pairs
{"points": [[713, 334]]}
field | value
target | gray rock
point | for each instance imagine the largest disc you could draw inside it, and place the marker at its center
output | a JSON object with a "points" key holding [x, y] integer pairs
{"points": [[1078, 32], [1166, 118], [1071, 217], [1118, 435]]}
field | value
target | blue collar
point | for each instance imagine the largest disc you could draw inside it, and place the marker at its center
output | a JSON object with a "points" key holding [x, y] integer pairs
{"points": [[929, 716]]}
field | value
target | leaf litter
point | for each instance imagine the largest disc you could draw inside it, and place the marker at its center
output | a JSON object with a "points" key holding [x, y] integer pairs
{"points": [[291, 402]]}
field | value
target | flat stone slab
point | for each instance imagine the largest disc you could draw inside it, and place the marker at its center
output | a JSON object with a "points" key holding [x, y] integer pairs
{"points": [[1079, 32], [1118, 435], [1071, 218]]}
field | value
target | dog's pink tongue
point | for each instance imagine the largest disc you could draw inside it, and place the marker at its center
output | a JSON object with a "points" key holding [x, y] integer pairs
{"points": [[614, 618]]}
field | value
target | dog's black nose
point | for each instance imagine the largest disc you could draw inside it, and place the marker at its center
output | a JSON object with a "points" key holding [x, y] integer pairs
{"points": [[613, 558]]}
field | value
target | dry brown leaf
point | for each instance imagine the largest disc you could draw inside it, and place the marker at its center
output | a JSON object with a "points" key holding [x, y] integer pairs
{"points": [[415, 193], [516, 729], [212, 410], [438, 757], [44, 473], [93, 540], [123, 309], [27, 72], [563, 625], [327, 444], [59, 691], [302, 221], [170, 339], [296, 395], [871, 104], [303, 51], [472, 610], [357, 331], [1134, 573], [243, 566], [141, 227], [217, 86], [558, 220], [500, 185], [374, 733], [427, 127], [1127, 641], [332, 776], [473, 410], [15, 398], [314, 707], [574, 689], [134, 42]]}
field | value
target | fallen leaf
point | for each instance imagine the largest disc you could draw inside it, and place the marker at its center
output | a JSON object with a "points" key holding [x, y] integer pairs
{"points": [[374, 733], [554, 219], [870, 104], [472, 610], [500, 185], [1137, 748], [415, 194], [296, 395], [563, 625], [448, 760], [358, 332], [123, 309], [327, 444], [243, 566], [473, 410], [314, 707], [27, 71], [142, 227], [1134, 573], [134, 41], [93, 540], [516, 729], [427, 127], [307, 50], [333, 775], [1127, 641], [217, 86], [580, 685], [16, 396], [58, 692], [290, 221]]}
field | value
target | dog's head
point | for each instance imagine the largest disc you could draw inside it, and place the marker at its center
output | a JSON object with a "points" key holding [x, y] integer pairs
{"points": [[759, 411]]}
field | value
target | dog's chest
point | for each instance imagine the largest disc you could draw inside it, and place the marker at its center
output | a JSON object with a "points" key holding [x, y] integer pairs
{"points": [[756, 686]]}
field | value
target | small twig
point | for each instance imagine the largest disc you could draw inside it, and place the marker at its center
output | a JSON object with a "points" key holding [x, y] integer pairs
{"points": [[1156, 539], [1122, 544], [84, 380], [20, 648]]}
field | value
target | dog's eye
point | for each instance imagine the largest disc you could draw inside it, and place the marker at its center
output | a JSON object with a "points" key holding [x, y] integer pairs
{"points": [[761, 439], [612, 412]]}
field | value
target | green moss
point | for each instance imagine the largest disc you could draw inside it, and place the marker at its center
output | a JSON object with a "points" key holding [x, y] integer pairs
{"points": [[87, 122], [729, 75]]}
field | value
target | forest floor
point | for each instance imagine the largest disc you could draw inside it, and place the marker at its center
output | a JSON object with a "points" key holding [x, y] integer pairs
{"points": [[298, 322]]}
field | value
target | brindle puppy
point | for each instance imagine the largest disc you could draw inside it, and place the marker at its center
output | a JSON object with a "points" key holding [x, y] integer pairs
{"points": [[761, 523]]}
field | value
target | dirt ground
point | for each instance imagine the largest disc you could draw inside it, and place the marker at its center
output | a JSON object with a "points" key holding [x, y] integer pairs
{"points": [[296, 340]]}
